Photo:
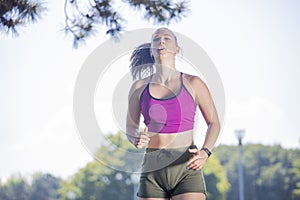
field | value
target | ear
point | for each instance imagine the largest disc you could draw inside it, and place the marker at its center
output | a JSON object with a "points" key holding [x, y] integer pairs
{"points": [[177, 50]]}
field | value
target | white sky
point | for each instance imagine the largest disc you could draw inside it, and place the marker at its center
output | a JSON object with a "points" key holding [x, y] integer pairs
{"points": [[255, 46]]}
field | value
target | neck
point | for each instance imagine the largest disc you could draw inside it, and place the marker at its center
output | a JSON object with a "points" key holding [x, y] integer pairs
{"points": [[165, 74]]}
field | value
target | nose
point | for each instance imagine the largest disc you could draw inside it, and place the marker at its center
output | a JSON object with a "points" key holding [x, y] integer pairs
{"points": [[162, 40]]}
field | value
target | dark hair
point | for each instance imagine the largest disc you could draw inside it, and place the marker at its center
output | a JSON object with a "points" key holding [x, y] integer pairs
{"points": [[141, 61]]}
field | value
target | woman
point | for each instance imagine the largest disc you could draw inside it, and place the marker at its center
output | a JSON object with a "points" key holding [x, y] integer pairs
{"points": [[167, 99]]}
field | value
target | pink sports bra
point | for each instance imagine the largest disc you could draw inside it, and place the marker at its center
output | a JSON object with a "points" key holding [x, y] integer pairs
{"points": [[168, 115]]}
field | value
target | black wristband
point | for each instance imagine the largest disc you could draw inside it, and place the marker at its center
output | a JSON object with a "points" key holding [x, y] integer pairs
{"points": [[193, 146], [206, 151]]}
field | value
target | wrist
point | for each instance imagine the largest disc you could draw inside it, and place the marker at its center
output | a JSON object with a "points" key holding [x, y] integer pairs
{"points": [[132, 139], [207, 151]]}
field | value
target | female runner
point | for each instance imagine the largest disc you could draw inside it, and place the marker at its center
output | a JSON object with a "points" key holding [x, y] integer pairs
{"points": [[168, 99]]}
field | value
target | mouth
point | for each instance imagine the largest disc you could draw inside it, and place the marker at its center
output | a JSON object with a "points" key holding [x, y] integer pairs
{"points": [[161, 48]]}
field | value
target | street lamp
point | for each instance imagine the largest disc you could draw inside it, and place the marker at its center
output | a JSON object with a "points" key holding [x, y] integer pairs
{"points": [[135, 180], [239, 135]]}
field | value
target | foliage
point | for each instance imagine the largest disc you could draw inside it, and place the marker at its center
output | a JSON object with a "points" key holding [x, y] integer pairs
{"points": [[44, 187], [86, 18], [15, 13], [16, 187], [270, 172], [216, 179], [97, 181], [83, 18]]}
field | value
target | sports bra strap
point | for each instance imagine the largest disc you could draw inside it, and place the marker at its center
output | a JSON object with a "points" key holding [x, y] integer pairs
{"points": [[181, 80]]}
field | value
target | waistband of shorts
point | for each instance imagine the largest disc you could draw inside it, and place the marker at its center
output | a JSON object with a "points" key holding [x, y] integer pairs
{"points": [[180, 149]]}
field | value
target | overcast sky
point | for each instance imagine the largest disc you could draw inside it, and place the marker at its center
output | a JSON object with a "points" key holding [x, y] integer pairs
{"points": [[254, 45]]}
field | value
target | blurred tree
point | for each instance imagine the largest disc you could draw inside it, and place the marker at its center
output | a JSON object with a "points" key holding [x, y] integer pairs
{"points": [[216, 179], [98, 181], [229, 159], [68, 187], [16, 13], [44, 187], [295, 178], [16, 187], [270, 172]]}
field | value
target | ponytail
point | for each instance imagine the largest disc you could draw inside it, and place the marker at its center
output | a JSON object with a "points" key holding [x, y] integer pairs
{"points": [[141, 62]]}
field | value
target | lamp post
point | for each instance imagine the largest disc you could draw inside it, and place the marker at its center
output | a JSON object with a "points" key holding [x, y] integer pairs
{"points": [[135, 180], [239, 135]]}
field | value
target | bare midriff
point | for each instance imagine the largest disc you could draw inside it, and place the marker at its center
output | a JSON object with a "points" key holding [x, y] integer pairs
{"points": [[170, 140]]}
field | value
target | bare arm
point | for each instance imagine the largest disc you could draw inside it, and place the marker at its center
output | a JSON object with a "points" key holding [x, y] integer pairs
{"points": [[206, 105], [133, 117]]}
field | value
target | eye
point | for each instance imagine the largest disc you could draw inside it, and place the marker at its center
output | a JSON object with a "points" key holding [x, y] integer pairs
{"points": [[168, 38], [156, 39]]}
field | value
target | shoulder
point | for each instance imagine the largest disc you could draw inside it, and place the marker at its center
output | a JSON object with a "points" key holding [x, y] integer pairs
{"points": [[200, 89], [194, 81], [138, 86]]}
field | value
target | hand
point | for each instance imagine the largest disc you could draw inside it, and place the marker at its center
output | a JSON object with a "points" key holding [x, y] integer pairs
{"points": [[198, 160], [143, 139]]}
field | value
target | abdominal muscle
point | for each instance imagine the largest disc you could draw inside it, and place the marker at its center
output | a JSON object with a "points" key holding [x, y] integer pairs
{"points": [[170, 140]]}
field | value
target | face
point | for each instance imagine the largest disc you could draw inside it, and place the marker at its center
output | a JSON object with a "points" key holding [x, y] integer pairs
{"points": [[164, 43]]}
